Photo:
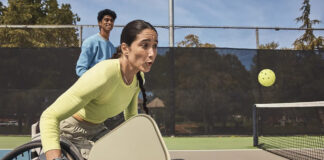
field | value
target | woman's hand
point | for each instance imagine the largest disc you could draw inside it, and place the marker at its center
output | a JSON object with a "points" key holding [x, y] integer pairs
{"points": [[53, 154]]}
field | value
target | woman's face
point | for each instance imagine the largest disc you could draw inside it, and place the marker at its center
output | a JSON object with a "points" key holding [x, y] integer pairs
{"points": [[143, 51]]}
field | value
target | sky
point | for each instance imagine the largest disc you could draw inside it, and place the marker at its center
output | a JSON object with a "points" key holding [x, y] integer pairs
{"points": [[247, 13]]}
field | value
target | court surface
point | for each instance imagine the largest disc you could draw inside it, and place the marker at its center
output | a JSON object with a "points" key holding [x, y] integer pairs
{"points": [[117, 142], [236, 154]]}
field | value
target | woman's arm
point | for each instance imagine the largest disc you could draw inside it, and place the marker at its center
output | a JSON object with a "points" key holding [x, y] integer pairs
{"points": [[132, 108], [87, 88]]}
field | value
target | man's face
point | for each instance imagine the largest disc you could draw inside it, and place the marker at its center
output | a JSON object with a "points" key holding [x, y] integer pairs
{"points": [[107, 23]]}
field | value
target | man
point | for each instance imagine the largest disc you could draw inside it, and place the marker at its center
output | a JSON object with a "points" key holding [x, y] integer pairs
{"points": [[97, 47]]}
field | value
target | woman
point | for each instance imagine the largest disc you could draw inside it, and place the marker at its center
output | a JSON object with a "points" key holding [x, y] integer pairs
{"points": [[109, 88]]}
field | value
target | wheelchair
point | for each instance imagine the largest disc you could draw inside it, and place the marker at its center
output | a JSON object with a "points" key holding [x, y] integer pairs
{"points": [[33, 150]]}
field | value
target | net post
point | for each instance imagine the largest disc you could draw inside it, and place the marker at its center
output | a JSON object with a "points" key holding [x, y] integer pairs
{"points": [[255, 126]]}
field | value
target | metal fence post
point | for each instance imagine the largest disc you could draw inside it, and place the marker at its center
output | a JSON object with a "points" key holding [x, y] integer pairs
{"points": [[255, 126], [257, 38], [80, 31]]}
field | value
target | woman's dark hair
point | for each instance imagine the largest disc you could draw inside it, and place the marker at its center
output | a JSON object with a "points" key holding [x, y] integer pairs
{"points": [[104, 12], [128, 36]]}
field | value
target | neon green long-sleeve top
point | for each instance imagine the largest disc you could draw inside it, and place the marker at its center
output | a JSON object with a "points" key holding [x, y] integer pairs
{"points": [[97, 95]]}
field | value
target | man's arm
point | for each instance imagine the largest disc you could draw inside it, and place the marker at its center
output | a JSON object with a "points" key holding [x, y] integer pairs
{"points": [[84, 61]]}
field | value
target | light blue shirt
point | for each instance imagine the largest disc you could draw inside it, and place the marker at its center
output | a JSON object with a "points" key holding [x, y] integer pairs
{"points": [[94, 49]]}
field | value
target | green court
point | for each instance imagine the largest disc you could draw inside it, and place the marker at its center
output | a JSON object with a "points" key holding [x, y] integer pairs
{"points": [[173, 143], [209, 143], [10, 142]]}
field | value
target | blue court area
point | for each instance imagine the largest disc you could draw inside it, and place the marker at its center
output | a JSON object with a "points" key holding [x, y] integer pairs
{"points": [[3, 152]]}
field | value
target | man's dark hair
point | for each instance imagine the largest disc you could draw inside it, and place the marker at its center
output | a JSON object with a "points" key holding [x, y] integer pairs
{"points": [[104, 12]]}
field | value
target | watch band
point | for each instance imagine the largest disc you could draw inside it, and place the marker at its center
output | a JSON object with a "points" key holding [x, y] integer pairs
{"points": [[59, 158]]}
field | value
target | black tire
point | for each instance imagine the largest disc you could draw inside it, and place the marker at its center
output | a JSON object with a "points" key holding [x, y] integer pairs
{"points": [[28, 150]]}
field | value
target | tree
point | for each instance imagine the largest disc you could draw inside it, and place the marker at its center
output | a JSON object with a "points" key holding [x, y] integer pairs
{"points": [[38, 12], [212, 84], [192, 40], [2, 9], [308, 41], [271, 45]]}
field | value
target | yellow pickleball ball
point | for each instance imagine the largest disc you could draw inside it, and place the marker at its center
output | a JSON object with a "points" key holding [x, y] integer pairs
{"points": [[267, 77]]}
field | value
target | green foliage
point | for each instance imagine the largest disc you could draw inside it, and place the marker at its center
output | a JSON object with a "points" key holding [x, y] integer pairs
{"points": [[37, 12], [308, 41], [271, 45], [192, 40], [2, 9]]}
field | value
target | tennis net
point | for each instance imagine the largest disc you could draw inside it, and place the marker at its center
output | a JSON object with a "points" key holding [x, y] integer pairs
{"points": [[291, 130]]}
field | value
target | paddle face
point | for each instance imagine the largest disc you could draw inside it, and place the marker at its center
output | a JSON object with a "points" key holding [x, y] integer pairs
{"points": [[137, 139]]}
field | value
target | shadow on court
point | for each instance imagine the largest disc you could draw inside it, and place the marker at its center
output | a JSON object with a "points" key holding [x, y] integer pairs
{"points": [[248, 154]]}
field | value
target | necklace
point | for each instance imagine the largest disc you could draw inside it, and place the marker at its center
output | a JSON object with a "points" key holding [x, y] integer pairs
{"points": [[125, 79]]}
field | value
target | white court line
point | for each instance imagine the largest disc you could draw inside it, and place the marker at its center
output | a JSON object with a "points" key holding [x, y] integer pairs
{"points": [[220, 150], [292, 104], [201, 150], [3, 149]]}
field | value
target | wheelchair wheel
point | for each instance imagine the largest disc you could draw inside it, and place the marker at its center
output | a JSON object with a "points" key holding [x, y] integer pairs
{"points": [[33, 151]]}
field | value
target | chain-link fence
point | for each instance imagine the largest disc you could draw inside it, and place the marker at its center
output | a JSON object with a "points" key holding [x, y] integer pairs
{"points": [[191, 91], [221, 36]]}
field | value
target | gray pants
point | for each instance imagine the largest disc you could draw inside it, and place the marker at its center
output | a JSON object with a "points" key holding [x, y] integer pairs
{"points": [[81, 134]]}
